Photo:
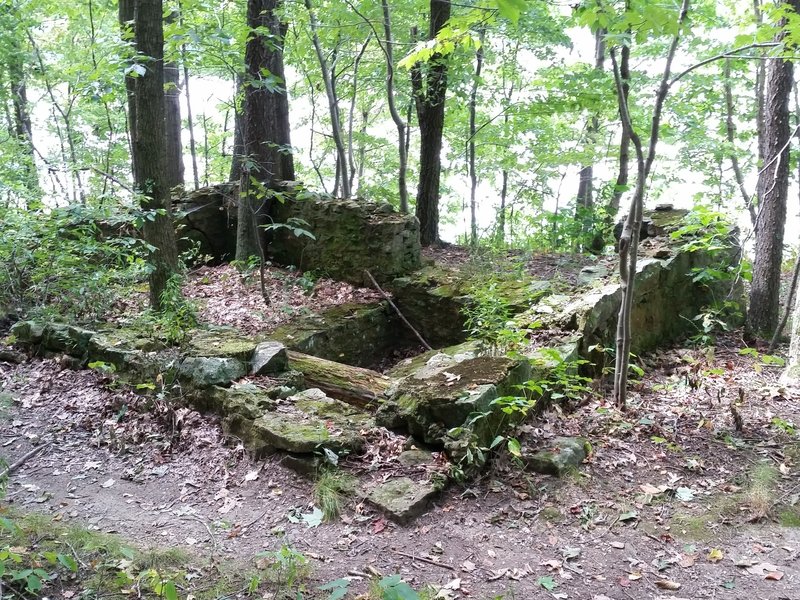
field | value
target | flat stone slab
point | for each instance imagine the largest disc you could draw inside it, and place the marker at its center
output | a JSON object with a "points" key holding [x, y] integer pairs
{"points": [[220, 343], [309, 420], [403, 498]]}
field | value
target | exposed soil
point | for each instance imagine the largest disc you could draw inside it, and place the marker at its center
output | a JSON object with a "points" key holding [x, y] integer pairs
{"points": [[695, 486], [664, 497]]}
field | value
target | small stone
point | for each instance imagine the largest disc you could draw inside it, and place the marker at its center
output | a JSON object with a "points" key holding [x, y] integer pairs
{"points": [[566, 455], [269, 357], [591, 274], [415, 458], [402, 499]]}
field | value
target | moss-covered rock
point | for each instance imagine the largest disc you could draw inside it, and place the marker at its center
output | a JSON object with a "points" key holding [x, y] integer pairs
{"points": [[28, 332], [435, 399], [204, 372], [563, 456], [220, 342], [354, 334], [350, 236], [307, 421], [402, 498]]}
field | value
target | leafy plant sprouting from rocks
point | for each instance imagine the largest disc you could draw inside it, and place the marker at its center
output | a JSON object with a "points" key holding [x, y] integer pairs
{"points": [[709, 231], [488, 320], [563, 382], [177, 315]]}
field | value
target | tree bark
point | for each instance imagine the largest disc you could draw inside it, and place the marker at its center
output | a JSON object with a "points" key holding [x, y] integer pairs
{"points": [[172, 119], [353, 385], [149, 144], [629, 240], [333, 106], [429, 85], [22, 119], [763, 311], [473, 175], [584, 202], [267, 145], [238, 135]]}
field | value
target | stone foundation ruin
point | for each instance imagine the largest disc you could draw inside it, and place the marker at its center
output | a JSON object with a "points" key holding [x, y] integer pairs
{"points": [[303, 389]]}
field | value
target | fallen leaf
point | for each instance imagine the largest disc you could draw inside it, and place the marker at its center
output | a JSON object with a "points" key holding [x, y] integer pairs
{"points": [[108, 483], [652, 490], [715, 555], [687, 561], [618, 545], [668, 584], [763, 569], [468, 566], [252, 475], [379, 525], [774, 575], [495, 575]]}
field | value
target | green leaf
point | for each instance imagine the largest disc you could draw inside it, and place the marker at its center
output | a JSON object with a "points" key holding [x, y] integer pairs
{"points": [[511, 9], [170, 592], [34, 584], [337, 588], [514, 447], [547, 583], [314, 518], [68, 561]]}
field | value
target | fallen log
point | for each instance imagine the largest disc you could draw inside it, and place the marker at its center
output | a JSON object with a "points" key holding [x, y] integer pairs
{"points": [[354, 385]]}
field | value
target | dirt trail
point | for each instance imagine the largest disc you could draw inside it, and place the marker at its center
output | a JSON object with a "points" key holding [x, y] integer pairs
{"points": [[118, 462]]}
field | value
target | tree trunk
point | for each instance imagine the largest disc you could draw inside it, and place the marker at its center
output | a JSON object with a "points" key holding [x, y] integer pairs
{"points": [[238, 134], [429, 84], [333, 105], [402, 151], [149, 144], [762, 314], [267, 146], [189, 116], [473, 175], [621, 183], [353, 385], [584, 202], [172, 119], [22, 119]]}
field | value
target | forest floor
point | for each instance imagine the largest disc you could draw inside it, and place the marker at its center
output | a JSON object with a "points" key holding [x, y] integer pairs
{"points": [[693, 492]]}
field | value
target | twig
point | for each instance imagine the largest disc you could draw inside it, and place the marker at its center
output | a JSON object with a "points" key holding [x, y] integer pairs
{"points": [[114, 179], [397, 310], [256, 520], [13, 467], [609, 528], [425, 560]]}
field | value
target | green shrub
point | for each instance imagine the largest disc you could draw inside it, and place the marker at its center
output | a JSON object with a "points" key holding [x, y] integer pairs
{"points": [[58, 262]]}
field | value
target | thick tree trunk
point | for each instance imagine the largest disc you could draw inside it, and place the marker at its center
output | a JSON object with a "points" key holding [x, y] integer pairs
{"points": [[429, 83], [149, 144], [172, 120], [353, 385], [267, 146], [762, 314]]}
